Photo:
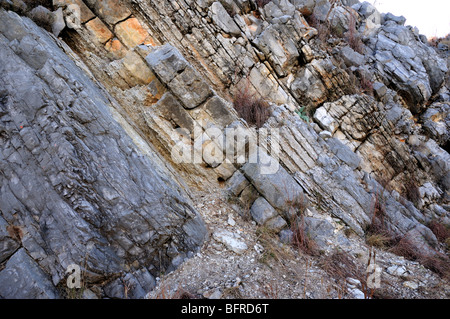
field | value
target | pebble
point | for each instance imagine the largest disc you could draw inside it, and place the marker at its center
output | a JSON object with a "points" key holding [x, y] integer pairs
{"points": [[356, 293], [411, 284], [353, 283], [230, 240], [397, 270], [231, 221]]}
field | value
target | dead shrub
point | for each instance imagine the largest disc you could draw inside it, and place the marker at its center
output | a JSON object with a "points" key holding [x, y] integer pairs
{"points": [[300, 238], [323, 28], [352, 36], [255, 111], [261, 3], [438, 262], [340, 265], [412, 191], [366, 85], [378, 233], [441, 232], [405, 248]]}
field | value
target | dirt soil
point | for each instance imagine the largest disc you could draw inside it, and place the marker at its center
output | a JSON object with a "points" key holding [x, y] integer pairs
{"points": [[271, 269]]}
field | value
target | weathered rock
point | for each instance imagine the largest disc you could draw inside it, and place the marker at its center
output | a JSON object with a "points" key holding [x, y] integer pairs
{"points": [[190, 88], [97, 200], [99, 30], [262, 211], [58, 22], [277, 186], [166, 61], [221, 17], [167, 68], [306, 7], [237, 183], [436, 122], [319, 230], [22, 278], [282, 56], [231, 240], [110, 11], [391, 17], [399, 58], [132, 33], [9, 240]]}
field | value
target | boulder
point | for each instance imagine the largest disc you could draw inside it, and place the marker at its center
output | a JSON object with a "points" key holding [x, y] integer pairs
{"points": [[166, 61], [223, 20], [262, 211], [231, 240], [81, 188], [22, 278], [278, 187]]}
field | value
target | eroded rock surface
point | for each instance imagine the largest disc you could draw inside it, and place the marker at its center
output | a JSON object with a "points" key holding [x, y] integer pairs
{"points": [[107, 130]]}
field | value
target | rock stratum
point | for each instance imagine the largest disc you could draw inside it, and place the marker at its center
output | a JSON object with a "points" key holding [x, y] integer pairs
{"points": [[95, 96]]}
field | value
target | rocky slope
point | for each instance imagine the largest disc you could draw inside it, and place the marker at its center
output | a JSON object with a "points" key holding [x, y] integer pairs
{"points": [[97, 95]]}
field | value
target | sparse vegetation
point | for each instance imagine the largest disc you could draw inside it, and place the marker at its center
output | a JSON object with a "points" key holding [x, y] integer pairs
{"points": [[341, 266], [302, 114], [412, 191], [270, 243], [254, 110], [323, 28], [380, 236], [441, 231], [300, 238], [261, 3], [352, 37], [436, 262], [435, 41], [178, 293], [377, 233]]}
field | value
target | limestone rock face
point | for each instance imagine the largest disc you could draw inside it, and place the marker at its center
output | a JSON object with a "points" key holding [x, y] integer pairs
{"points": [[114, 113], [74, 186]]}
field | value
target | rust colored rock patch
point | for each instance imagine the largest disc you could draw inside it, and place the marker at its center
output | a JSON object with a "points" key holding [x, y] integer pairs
{"points": [[131, 33]]}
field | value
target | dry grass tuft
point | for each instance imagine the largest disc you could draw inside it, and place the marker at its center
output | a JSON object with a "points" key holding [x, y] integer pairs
{"points": [[352, 36], [438, 262], [261, 3], [441, 231], [300, 238], [254, 110]]}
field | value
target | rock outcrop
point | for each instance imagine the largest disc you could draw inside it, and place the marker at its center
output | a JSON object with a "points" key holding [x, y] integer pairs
{"points": [[108, 123], [75, 188]]}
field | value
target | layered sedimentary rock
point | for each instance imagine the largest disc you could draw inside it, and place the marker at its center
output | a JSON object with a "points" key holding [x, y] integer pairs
{"points": [[109, 126], [75, 189]]}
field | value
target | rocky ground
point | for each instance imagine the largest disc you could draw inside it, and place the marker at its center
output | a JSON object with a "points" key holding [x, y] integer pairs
{"points": [[268, 268], [95, 96]]}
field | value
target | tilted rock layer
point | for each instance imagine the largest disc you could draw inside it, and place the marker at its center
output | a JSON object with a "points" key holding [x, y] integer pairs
{"points": [[90, 118]]}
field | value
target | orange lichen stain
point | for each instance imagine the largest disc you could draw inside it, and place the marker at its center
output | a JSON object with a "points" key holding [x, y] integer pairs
{"points": [[116, 47], [437, 117], [132, 33], [99, 30]]}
